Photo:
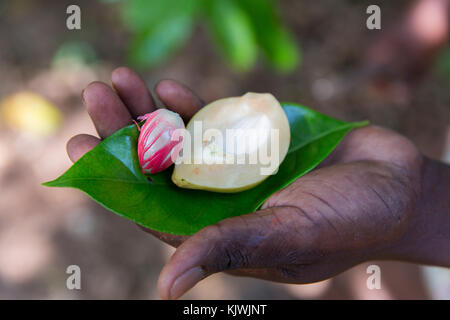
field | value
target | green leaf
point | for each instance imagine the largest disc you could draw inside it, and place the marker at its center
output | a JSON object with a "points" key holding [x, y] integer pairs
{"points": [[159, 28], [277, 43], [232, 30], [153, 46], [141, 15], [111, 175]]}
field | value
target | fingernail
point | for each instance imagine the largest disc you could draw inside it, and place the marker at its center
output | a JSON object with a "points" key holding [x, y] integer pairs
{"points": [[82, 96], [185, 282]]}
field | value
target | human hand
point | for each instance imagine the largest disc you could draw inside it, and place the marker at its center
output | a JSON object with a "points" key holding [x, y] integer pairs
{"points": [[361, 203]]}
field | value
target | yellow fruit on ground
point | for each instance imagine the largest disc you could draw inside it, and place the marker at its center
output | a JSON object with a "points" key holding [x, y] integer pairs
{"points": [[30, 113]]}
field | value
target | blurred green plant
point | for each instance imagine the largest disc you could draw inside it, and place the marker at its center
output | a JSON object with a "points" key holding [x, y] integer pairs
{"points": [[74, 53], [240, 29], [443, 63]]}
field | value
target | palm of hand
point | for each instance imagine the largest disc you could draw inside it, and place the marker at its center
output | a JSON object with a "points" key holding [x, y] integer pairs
{"points": [[355, 207]]}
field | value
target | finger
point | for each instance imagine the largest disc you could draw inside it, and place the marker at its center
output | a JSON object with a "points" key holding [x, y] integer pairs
{"points": [[132, 90], [251, 241], [280, 274], [105, 108], [301, 273], [79, 145], [178, 98]]}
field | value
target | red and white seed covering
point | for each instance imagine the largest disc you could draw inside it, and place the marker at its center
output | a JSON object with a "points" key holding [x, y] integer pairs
{"points": [[157, 145]]}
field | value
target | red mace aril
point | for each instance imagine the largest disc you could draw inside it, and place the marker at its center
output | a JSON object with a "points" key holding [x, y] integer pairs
{"points": [[157, 149]]}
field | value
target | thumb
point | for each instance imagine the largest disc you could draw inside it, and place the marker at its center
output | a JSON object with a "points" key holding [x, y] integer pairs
{"points": [[238, 242]]}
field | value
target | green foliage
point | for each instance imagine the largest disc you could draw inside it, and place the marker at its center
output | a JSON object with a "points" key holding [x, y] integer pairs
{"points": [[110, 173], [275, 40], [74, 53], [443, 63], [160, 27], [240, 28], [232, 30]]}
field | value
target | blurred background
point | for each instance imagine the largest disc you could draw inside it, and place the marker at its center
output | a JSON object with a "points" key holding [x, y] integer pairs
{"points": [[315, 52]]}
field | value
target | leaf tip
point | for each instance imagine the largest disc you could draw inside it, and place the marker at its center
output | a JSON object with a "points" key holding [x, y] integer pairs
{"points": [[48, 183], [362, 123]]}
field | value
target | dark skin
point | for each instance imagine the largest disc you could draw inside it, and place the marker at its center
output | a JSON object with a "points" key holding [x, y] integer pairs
{"points": [[375, 197]]}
